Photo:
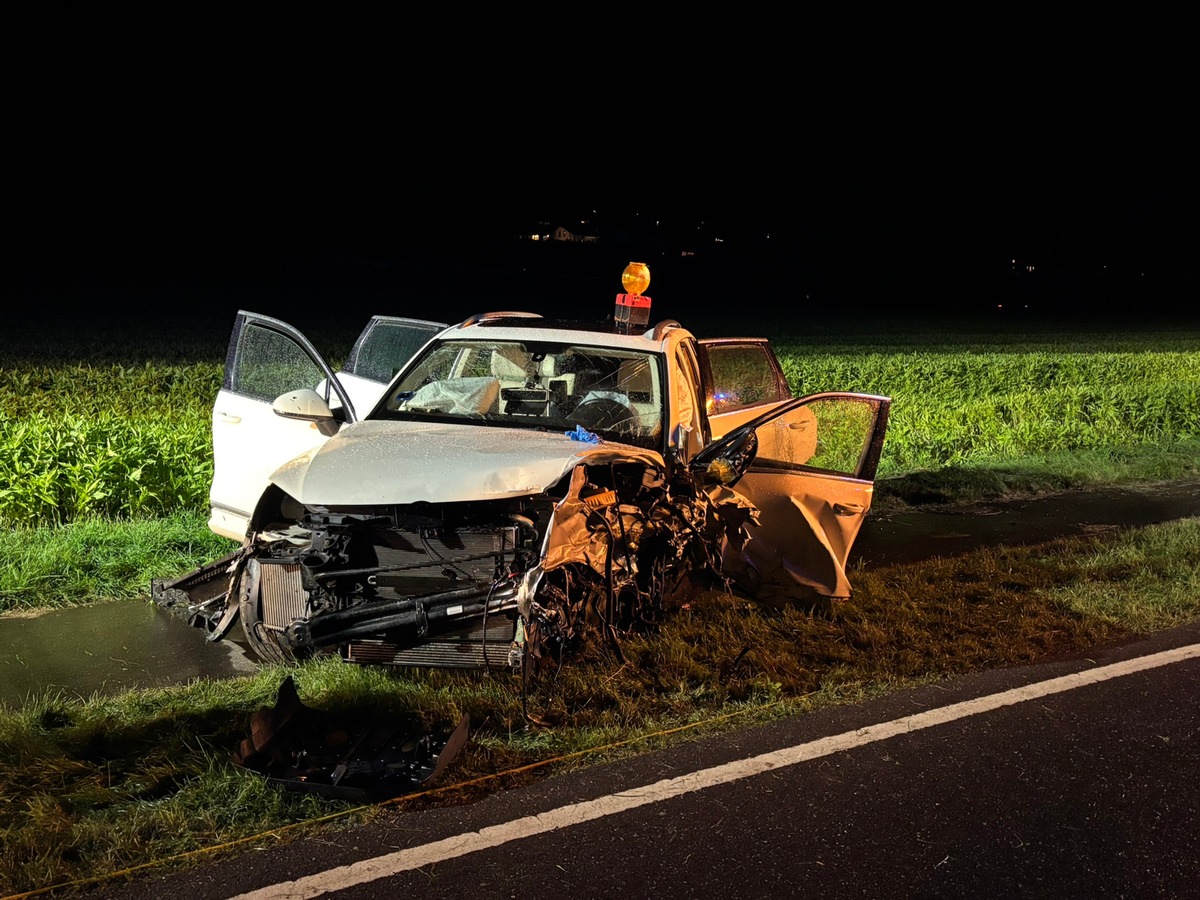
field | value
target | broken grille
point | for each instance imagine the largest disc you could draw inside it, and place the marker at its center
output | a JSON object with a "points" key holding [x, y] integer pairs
{"points": [[478, 644]]}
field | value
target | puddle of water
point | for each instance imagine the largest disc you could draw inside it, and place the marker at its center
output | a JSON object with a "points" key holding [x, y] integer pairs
{"points": [[107, 648]]}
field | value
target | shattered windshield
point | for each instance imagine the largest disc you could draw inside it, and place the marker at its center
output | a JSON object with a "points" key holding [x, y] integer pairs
{"points": [[615, 393]]}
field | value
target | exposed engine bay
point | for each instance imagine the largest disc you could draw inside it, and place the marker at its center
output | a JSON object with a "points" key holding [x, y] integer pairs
{"points": [[514, 582]]}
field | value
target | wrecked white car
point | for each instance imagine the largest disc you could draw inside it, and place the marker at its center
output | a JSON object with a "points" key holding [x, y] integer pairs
{"points": [[494, 493]]}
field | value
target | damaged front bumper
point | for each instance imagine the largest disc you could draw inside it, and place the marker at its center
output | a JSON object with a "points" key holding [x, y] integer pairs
{"points": [[476, 585]]}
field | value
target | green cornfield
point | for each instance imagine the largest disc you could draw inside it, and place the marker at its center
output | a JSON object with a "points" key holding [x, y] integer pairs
{"points": [[79, 440], [966, 403], [125, 432]]}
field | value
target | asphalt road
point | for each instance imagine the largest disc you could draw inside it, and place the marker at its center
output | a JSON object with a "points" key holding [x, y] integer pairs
{"points": [[954, 790]]}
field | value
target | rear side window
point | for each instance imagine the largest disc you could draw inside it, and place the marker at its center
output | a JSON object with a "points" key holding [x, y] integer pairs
{"points": [[741, 373], [387, 345]]}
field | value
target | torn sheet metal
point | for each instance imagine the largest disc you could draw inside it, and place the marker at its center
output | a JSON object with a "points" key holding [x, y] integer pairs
{"points": [[200, 595], [801, 541], [343, 757]]}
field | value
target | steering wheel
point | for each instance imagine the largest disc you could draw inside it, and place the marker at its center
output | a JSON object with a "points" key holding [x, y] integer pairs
{"points": [[603, 414]]}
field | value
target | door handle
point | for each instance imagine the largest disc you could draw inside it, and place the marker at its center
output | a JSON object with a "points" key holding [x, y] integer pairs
{"points": [[226, 417]]}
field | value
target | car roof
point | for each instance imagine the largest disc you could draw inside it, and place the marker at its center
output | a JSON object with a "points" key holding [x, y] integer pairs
{"points": [[531, 326]]}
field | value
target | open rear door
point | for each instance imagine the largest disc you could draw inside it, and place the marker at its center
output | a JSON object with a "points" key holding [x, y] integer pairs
{"points": [[811, 475], [742, 380], [382, 349]]}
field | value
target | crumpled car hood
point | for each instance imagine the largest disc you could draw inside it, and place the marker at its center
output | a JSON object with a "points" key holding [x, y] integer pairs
{"points": [[382, 462]]}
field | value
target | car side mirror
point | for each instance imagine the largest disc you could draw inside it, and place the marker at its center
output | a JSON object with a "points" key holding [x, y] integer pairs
{"points": [[308, 406], [735, 456]]}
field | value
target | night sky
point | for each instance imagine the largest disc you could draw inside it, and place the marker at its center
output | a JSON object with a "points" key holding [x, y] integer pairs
{"points": [[142, 221]]}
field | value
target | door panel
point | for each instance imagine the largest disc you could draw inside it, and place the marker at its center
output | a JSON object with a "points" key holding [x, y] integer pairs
{"points": [[807, 525], [364, 392], [249, 443], [812, 479]]}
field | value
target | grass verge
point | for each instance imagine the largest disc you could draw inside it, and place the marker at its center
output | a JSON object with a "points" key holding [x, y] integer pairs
{"points": [[95, 559], [102, 785]]}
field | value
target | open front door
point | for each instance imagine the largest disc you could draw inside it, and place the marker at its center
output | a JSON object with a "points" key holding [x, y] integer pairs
{"points": [[266, 358], [811, 475]]}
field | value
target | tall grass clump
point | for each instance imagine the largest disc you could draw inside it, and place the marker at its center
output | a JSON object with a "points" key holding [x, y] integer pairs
{"points": [[80, 440], [149, 390]]}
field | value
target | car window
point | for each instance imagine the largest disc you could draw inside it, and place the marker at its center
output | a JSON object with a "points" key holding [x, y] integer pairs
{"points": [[267, 363], [615, 393], [386, 345], [832, 434], [741, 374]]}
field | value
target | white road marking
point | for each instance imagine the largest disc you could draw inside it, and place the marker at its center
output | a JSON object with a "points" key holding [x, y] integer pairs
{"points": [[390, 864]]}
